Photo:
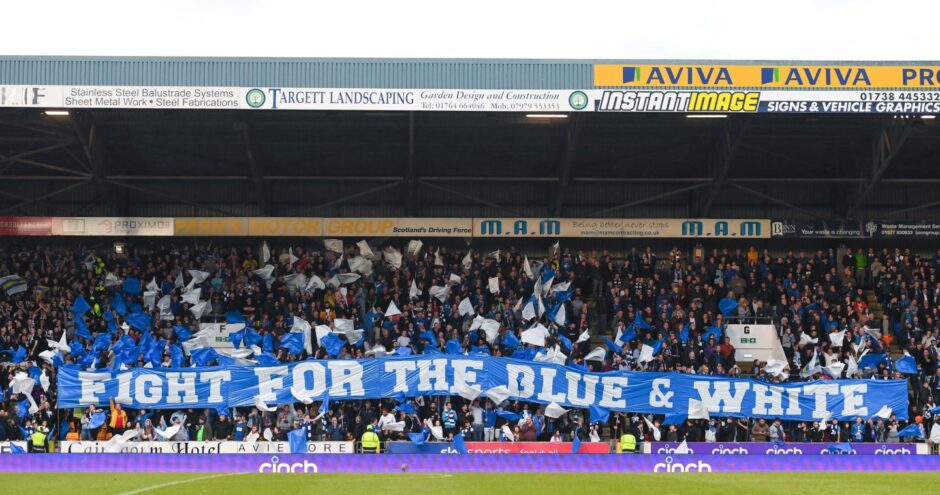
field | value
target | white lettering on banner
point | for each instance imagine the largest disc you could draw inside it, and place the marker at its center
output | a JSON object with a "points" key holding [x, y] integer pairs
{"points": [[590, 384], [722, 400], [317, 374], [678, 467], [852, 404], [346, 375], [660, 397], [768, 401], [819, 391], [92, 385], [547, 393], [436, 370], [270, 380], [124, 388], [613, 391], [401, 369], [793, 402], [521, 381], [147, 389], [215, 379], [465, 373], [181, 382], [283, 467]]}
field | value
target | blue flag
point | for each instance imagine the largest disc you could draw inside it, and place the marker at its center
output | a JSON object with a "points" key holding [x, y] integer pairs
{"points": [[480, 350], [629, 335], [510, 341], [872, 360], [97, 419], [565, 342], [267, 343], [418, 438], [234, 317], [599, 414], [906, 365], [524, 353], [324, 404], [139, 321], [204, 356], [182, 333], [19, 355], [267, 359], [612, 345], [459, 445], [294, 342], [333, 345], [406, 408], [508, 415], [252, 337], [728, 306], [118, 304], [156, 352], [22, 408], [102, 343], [64, 428], [223, 411], [429, 336], [236, 338], [564, 296], [684, 334], [298, 441], [82, 331], [80, 306], [132, 286], [712, 331], [911, 431], [640, 323], [453, 347], [16, 449], [176, 356], [575, 443]]}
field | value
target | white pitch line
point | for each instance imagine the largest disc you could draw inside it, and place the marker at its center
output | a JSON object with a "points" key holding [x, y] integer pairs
{"points": [[174, 483]]}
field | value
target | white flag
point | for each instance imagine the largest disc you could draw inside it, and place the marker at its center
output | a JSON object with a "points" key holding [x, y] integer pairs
{"points": [[560, 287], [392, 257], [179, 282], [343, 325], [438, 259], [804, 339], [466, 307], [554, 411], [646, 354], [200, 309], [560, 316], [167, 433], [584, 337], [192, 297], [837, 338], [440, 293], [198, 276], [292, 258], [453, 279], [528, 311], [657, 435], [364, 249], [262, 406], [265, 273], [414, 247], [598, 354], [265, 252], [392, 310], [164, 306], [467, 261], [494, 285], [835, 370], [683, 447], [414, 291], [152, 285], [527, 268], [302, 326], [885, 412], [322, 331], [334, 245], [315, 283], [111, 280], [498, 394], [468, 392], [535, 335], [348, 278]]}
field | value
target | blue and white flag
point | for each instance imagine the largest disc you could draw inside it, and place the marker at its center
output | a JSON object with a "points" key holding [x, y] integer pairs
{"points": [[298, 441], [97, 419]]}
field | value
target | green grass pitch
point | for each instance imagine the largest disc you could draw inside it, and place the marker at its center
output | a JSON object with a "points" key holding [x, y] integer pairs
{"points": [[460, 484]]}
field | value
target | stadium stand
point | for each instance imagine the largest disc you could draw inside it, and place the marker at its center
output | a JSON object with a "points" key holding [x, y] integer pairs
{"points": [[857, 315]]}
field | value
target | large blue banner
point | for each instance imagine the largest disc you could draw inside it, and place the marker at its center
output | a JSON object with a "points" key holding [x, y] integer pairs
{"points": [[673, 394]]}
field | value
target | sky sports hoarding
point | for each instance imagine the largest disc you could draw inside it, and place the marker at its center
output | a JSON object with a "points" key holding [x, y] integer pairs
{"points": [[672, 394], [545, 448], [788, 448], [206, 447], [479, 463]]}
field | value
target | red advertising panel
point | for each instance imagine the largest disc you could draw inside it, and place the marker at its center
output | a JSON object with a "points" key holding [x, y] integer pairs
{"points": [[25, 226], [535, 448]]}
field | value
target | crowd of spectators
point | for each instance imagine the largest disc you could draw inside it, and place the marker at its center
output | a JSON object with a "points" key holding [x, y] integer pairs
{"points": [[677, 297]]}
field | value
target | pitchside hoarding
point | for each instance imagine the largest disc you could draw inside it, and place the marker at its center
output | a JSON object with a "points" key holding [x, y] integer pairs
{"points": [[788, 448], [206, 447], [479, 463], [497, 448]]}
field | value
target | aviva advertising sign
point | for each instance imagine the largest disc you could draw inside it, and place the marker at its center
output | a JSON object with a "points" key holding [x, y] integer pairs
{"points": [[768, 76]]}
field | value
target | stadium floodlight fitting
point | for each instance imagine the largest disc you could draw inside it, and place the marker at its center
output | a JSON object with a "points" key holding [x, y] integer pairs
{"points": [[547, 115], [119, 247], [57, 113], [706, 115], [928, 116]]}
